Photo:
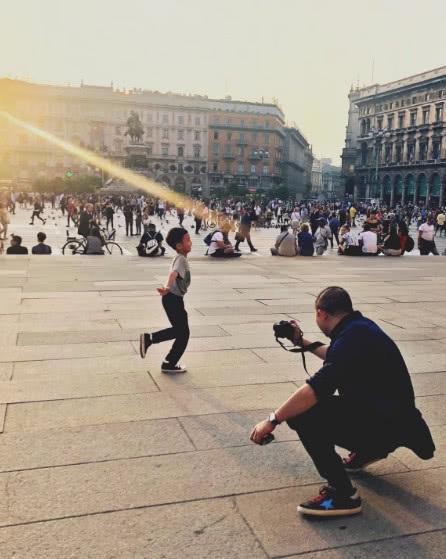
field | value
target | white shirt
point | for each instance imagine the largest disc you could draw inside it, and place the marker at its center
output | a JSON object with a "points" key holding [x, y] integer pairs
{"points": [[427, 231], [216, 237], [369, 241]]}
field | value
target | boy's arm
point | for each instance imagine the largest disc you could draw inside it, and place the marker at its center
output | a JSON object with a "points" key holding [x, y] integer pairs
{"points": [[170, 281]]}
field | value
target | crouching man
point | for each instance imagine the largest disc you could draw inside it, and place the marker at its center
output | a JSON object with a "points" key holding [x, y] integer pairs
{"points": [[373, 414]]}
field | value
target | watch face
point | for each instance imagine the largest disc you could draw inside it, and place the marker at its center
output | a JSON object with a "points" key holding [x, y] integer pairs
{"points": [[272, 418]]}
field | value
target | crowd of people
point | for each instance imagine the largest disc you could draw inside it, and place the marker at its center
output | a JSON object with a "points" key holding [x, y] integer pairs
{"points": [[306, 228]]}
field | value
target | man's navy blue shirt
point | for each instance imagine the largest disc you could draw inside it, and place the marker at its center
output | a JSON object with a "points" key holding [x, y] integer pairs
{"points": [[367, 369]]}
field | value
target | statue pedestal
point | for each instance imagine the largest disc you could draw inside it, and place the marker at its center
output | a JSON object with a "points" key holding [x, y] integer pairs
{"points": [[137, 149]]}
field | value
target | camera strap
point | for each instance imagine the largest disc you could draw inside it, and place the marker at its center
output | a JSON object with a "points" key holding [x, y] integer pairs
{"points": [[301, 350]]}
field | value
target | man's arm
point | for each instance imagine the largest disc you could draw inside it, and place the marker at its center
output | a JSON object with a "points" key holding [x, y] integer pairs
{"points": [[300, 341], [302, 400]]}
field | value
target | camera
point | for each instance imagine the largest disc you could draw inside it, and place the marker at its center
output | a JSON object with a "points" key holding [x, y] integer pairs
{"points": [[284, 329]]}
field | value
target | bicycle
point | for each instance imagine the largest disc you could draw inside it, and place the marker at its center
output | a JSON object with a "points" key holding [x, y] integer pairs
{"points": [[79, 246], [207, 224]]}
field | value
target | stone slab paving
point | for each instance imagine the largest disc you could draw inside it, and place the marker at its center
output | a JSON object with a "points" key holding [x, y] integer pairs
{"points": [[102, 455]]}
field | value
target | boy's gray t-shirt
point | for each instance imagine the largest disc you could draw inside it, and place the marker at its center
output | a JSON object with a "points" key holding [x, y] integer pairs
{"points": [[181, 266]]}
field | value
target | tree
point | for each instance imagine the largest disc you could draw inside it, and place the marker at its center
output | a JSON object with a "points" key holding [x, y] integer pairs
{"points": [[280, 191], [75, 184]]}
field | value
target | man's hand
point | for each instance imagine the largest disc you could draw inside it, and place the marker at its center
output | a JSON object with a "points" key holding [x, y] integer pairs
{"points": [[162, 291], [261, 430], [298, 334]]}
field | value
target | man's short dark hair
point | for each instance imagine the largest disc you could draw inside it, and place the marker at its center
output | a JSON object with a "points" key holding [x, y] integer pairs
{"points": [[41, 237], [175, 236], [17, 239], [334, 300], [152, 226]]}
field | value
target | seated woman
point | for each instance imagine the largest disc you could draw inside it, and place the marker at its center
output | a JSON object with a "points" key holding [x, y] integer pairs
{"points": [[403, 235], [95, 242], [392, 243], [305, 241], [321, 236], [285, 244], [368, 241], [347, 244]]}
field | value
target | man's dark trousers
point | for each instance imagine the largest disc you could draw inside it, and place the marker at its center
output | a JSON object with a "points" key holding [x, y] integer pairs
{"points": [[177, 315], [331, 423], [427, 247]]}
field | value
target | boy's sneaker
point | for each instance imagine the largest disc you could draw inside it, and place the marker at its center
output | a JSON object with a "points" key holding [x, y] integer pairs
{"points": [[355, 462], [168, 368], [330, 502], [145, 341]]}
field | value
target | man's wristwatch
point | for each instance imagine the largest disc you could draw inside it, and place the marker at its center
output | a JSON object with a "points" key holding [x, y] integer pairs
{"points": [[273, 419]]}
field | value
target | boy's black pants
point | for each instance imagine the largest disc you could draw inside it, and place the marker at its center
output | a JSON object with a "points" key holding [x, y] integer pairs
{"points": [[177, 315], [331, 423]]}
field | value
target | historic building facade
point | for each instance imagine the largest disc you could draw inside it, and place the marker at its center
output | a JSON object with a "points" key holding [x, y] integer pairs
{"points": [[395, 146], [297, 163], [245, 145], [316, 179], [188, 142], [172, 149]]}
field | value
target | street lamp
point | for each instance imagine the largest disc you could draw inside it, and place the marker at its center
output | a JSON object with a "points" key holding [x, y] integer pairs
{"points": [[376, 134]]}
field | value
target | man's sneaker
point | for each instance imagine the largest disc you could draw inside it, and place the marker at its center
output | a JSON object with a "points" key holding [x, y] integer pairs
{"points": [[355, 462], [254, 250], [145, 341], [172, 369], [331, 503]]}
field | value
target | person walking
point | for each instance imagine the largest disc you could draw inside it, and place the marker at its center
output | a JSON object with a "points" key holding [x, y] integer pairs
{"points": [[128, 215], [38, 209], [109, 214], [172, 295], [244, 232], [334, 225]]}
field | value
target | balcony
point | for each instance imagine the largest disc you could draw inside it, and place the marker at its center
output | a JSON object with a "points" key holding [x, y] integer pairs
{"points": [[242, 142], [228, 156]]}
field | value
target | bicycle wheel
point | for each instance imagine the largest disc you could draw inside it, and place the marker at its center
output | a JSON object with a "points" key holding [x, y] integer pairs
{"points": [[113, 248], [73, 247]]}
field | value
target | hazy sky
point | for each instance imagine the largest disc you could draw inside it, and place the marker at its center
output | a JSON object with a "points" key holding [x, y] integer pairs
{"points": [[304, 53]]}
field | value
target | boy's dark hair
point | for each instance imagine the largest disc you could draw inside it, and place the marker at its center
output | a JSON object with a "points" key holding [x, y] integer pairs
{"points": [[334, 300], [17, 239], [152, 226], [367, 227], [175, 236], [41, 237]]}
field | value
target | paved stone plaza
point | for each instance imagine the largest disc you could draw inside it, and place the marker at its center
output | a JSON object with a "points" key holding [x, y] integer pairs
{"points": [[103, 456]]}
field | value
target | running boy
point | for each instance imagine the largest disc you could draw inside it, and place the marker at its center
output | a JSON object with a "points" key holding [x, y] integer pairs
{"points": [[173, 303]]}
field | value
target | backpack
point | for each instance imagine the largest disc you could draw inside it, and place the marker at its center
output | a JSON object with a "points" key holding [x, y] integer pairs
{"points": [[148, 249], [208, 239], [410, 244]]}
